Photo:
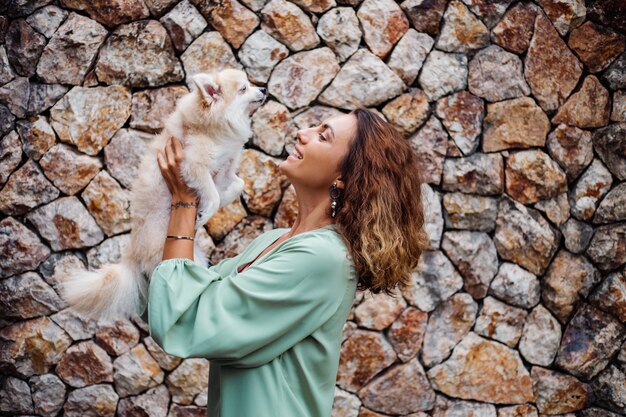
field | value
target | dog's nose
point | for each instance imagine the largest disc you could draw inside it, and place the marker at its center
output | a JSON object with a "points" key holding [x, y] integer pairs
{"points": [[263, 90]]}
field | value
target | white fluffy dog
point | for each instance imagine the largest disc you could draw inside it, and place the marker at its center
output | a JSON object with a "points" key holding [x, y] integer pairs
{"points": [[213, 123]]}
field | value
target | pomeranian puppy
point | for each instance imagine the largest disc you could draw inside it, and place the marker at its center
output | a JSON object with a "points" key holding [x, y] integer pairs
{"points": [[213, 124]]}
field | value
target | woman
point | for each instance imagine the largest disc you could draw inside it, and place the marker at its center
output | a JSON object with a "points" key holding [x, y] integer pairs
{"points": [[270, 319]]}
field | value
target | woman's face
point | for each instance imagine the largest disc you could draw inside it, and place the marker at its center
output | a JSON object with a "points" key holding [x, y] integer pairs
{"points": [[322, 148]]}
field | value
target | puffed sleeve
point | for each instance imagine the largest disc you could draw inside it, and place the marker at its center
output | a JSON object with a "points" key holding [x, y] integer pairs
{"points": [[248, 319]]}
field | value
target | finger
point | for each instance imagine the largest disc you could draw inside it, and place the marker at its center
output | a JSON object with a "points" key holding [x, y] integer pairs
{"points": [[178, 149], [162, 164], [169, 153]]}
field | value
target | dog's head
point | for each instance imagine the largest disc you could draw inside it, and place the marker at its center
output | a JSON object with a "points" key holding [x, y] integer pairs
{"points": [[228, 92]]}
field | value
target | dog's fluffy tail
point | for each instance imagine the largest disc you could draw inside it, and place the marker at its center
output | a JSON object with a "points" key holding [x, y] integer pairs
{"points": [[112, 292]]}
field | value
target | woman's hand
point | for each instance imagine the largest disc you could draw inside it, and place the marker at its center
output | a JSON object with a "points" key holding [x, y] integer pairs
{"points": [[169, 164]]}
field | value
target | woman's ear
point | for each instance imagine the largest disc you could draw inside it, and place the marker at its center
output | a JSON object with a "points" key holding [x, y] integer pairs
{"points": [[340, 183]]}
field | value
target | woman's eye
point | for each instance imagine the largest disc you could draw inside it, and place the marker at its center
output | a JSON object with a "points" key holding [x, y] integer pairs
{"points": [[321, 135]]}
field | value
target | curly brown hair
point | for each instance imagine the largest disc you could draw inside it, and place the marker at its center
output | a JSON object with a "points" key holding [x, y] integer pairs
{"points": [[380, 212]]}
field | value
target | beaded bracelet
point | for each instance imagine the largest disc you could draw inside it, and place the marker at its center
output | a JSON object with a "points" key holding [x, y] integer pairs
{"points": [[183, 204]]}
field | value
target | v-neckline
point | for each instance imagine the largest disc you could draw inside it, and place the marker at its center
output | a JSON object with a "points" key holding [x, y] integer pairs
{"points": [[247, 264]]}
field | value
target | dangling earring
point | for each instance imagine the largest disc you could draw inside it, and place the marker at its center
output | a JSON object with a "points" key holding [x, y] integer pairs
{"points": [[334, 194]]}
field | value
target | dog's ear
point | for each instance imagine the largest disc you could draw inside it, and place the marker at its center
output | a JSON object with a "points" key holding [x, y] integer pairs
{"points": [[208, 87]]}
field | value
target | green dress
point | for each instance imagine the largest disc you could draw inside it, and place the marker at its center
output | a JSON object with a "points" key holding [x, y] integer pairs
{"points": [[272, 333]]}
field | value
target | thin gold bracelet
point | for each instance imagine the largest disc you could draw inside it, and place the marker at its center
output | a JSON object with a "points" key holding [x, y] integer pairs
{"points": [[179, 237]]}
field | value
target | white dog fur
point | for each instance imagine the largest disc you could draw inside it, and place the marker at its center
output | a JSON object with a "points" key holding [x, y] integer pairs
{"points": [[213, 124]]}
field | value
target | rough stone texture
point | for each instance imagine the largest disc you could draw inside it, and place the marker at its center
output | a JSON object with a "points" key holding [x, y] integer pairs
{"points": [[571, 147], [68, 169], [109, 251], [232, 19], [589, 341], [48, 394], [15, 95], [189, 379], [540, 337], [289, 25], [85, 363], [496, 75], [501, 322], [262, 182], [260, 53], [61, 123], [524, 237], [618, 114], [363, 81], [515, 286], [408, 111], [596, 46], [478, 174], [93, 401], [10, 154], [576, 235], [564, 14], [610, 143], [71, 51], [403, 389], [299, 79], [149, 108], [515, 123], [591, 186], [26, 189], [153, 403], [135, 372], [123, 154], [406, 334], [610, 296], [430, 144], [532, 176], [435, 281], [494, 373], [66, 224], [208, 53], [108, 203], [470, 212], [24, 46], [117, 337], [363, 355], [447, 325], [462, 115], [461, 31], [26, 296], [37, 136], [425, 16], [515, 30], [139, 54], [558, 393], [443, 73], [551, 69], [608, 247], [89, 117], [378, 311], [474, 255], [47, 19], [241, 235], [383, 24], [587, 108], [409, 55], [615, 75]]}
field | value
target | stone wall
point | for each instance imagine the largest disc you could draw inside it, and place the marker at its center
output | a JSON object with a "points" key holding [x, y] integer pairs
{"points": [[516, 110]]}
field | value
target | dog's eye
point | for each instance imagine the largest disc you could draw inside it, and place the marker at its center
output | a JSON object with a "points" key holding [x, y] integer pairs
{"points": [[243, 89]]}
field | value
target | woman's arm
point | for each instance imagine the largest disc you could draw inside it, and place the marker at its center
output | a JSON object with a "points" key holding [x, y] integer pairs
{"points": [[184, 202]]}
